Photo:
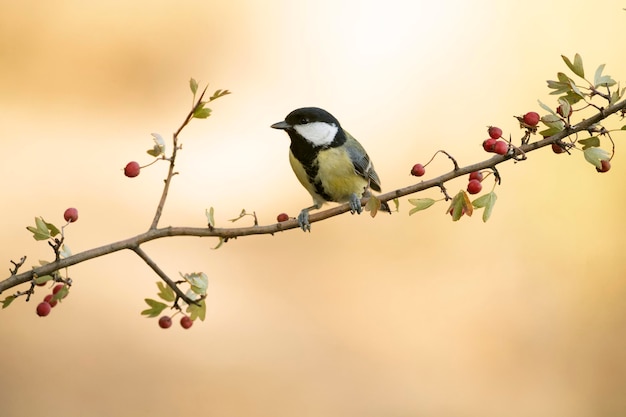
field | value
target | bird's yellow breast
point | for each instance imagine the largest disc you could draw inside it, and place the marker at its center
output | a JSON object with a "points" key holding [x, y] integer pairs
{"points": [[335, 172]]}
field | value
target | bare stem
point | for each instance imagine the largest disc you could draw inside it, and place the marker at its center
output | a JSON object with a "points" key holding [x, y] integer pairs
{"points": [[172, 159], [179, 294]]}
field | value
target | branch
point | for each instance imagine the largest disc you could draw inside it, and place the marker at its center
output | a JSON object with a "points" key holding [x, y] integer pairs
{"points": [[231, 233], [143, 255], [172, 159]]}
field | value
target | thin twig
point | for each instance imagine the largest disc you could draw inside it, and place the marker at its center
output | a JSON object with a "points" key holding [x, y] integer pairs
{"points": [[172, 159], [143, 255]]}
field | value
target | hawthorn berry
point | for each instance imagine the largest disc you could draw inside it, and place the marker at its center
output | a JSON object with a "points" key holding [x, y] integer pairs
{"points": [[43, 309], [494, 132], [489, 144], [501, 147], [48, 299], [476, 175], [474, 187], [531, 118], [282, 217], [418, 170], [132, 169], [606, 165], [556, 148], [165, 322], [70, 215], [186, 322]]}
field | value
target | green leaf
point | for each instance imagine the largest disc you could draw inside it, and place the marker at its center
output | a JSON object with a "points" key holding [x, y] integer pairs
{"points": [[65, 251], [549, 132], [219, 244], [600, 80], [598, 75], [576, 66], [37, 234], [218, 94], [546, 108], [42, 279], [52, 228], [166, 293], [210, 216], [576, 91], [566, 108], [40, 231], [487, 202], [553, 121], [159, 145], [7, 301], [420, 204], [197, 311], [62, 293], [200, 112], [155, 309], [373, 205], [592, 142], [193, 85], [460, 205], [396, 203], [623, 127], [595, 155], [241, 216], [199, 282]]}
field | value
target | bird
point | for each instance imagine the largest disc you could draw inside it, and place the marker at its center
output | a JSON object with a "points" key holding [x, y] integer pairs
{"points": [[329, 162]]}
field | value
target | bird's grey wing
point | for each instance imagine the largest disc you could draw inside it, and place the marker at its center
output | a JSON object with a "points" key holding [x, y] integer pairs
{"points": [[361, 161]]}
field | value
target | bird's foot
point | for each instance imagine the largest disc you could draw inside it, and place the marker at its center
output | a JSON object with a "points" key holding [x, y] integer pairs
{"points": [[355, 204], [303, 220]]}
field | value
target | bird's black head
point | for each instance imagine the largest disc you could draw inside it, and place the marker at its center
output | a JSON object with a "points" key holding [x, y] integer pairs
{"points": [[316, 126]]}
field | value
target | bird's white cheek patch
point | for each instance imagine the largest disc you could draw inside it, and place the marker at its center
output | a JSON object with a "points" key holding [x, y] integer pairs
{"points": [[318, 133]]}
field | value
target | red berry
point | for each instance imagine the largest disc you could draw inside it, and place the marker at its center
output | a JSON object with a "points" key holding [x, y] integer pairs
{"points": [[501, 147], [186, 322], [474, 187], [282, 217], [70, 215], [43, 309], [476, 175], [132, 169], [48, 299], [494, 132], [606, 165], [556, 148], [418, 170], [531, 118], [489, 144], [165, 322]]}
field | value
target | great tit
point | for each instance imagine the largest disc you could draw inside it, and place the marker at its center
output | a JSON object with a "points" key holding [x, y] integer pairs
{"points": [[328, 161]]}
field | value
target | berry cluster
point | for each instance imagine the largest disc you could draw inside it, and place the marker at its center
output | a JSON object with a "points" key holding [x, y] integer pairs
{"points": [[493, 143], [59, 292], [474, 186]]}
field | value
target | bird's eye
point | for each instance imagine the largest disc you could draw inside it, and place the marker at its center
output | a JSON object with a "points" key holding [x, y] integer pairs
{"points": [[304, 121]]}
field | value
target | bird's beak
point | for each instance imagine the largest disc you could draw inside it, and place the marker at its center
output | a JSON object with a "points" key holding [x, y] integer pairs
{"points": [[281, 125]]}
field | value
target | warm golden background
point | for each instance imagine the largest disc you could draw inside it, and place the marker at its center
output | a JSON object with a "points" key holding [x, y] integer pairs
{"points": [[398, 316]]}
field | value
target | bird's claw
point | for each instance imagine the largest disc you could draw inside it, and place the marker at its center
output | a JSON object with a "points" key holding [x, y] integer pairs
{"points": [[303, 220], [355, 204]]}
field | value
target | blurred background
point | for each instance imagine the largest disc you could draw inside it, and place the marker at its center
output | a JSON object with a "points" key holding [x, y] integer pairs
{"points": [[524, 315]]}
